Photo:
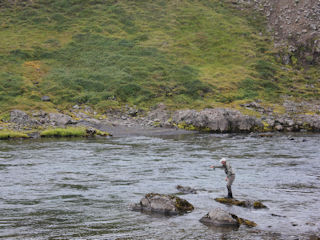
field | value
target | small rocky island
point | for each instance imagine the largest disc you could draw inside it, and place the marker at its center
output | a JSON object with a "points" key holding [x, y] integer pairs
{"points": [[163, 204], [220, 218]]}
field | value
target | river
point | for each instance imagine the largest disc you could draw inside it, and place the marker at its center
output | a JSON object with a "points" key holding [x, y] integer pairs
{"points": [[82, 188]]}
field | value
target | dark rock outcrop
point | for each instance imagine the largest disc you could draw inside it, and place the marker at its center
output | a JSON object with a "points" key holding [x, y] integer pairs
{"points": [[216, 120], [220, 218], [21, 118], [59, 119], [163, 204], [295, 26]]}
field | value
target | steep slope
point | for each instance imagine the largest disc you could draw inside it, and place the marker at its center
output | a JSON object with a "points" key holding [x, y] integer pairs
{"points": [[108, 53], [295, 26]]}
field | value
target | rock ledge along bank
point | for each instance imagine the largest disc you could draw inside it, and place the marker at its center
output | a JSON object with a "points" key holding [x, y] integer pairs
{"points": [[215, 120], [223, 120]]}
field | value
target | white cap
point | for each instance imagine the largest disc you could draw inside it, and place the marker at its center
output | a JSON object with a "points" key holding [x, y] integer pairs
{"points": [[223, 160]]}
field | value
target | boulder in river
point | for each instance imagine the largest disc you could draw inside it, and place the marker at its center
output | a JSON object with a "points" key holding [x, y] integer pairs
{"points": [[163, 204], [183, 189], [246, 203], [220, 218]]}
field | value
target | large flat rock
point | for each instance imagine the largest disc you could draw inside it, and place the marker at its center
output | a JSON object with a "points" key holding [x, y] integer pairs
{"points": [[163, 204]]}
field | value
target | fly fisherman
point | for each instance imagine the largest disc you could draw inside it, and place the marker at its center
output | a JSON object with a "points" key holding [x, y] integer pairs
{"points": [[230, 174]]}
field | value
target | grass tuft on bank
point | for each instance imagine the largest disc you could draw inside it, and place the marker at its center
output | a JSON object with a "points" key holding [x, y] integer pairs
{"points": [[5, 134], [73, 132], [64, 132]]}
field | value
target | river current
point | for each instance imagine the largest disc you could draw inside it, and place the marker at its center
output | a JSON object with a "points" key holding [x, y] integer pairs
{"points": [[82, 188]]}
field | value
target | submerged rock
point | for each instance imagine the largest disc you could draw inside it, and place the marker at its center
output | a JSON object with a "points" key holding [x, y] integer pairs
{"points": [[246, 203], [220, 218], [183, 189], [163, 204]]}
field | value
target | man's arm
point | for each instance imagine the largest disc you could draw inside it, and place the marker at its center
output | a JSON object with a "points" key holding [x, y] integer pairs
{"points": [[216, 166]]}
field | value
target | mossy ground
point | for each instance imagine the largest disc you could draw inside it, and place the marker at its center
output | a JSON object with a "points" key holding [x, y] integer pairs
{"points": [[64, 132], [106, 54], [7, 134], [71, 132]]}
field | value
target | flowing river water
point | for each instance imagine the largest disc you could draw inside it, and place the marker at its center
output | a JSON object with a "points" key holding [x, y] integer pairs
{"points": [[82, 188]]}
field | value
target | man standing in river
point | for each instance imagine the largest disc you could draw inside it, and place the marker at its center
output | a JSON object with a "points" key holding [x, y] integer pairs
{"points": [[230, 174]]}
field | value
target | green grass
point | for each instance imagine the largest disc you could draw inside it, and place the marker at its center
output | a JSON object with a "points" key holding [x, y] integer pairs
{"points": [[71, 132], [111, 53], [5, 134], [64, 132]]}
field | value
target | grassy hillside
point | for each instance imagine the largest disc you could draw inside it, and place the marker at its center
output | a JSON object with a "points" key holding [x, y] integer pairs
{"points": [[106, 53]]}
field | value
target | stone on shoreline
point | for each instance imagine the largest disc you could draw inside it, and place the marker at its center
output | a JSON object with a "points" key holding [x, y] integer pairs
{"points": [[246, 203], [163, 204], [220, 218]]}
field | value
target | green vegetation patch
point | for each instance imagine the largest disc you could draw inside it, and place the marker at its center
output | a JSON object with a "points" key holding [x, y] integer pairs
{"points": [[64, 132], [93, 68], [4, 134], [73, 132], [110, 53]]}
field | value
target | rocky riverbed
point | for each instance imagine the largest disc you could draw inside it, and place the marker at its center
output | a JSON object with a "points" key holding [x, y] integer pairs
{"points": [[132, 121]]}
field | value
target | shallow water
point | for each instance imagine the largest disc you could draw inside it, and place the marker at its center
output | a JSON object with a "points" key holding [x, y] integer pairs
{"points": [[82, 189]]}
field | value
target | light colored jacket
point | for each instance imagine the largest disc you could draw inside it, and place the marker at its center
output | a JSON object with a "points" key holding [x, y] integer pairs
{"points": [[227, 169]]}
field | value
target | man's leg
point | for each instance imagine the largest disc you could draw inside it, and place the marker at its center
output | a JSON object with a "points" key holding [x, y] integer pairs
{"points": [[229, 183]]}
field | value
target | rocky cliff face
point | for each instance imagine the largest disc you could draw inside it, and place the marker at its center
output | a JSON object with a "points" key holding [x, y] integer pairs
{"points": [[295, 25]]}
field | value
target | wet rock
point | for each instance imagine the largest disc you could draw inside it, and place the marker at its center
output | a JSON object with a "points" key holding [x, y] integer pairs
{"points": [[246, 204], [183, 189], [276, 215], [163, 204], [220, 218]]}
